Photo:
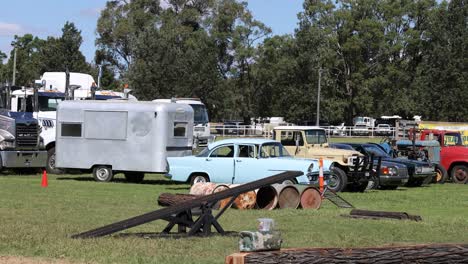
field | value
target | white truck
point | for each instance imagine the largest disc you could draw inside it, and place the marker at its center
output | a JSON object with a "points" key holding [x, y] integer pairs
{"points": [[51, 92], [133, 138], [201, 130]]}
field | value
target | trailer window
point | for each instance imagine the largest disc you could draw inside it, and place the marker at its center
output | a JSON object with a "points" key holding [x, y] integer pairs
{"points": [[180, 129], [71, 130]]}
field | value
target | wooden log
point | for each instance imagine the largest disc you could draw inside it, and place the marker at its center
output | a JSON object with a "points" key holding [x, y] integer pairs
{"points": [[432, 253], [169, 199], [383, 214]]}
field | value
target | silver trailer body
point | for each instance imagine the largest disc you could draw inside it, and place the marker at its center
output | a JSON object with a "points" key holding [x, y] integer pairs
{"points": [[124, 136]]}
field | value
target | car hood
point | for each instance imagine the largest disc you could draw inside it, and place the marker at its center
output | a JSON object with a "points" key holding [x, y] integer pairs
{"points": [[408, 162], [338, 152]]}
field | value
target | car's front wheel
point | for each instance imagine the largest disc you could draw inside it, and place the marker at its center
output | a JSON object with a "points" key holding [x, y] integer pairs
{"points": [[338, 180], [199, 178]]}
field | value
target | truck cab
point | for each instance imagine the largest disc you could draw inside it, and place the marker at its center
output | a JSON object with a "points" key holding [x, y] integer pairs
{"points": [[20, 143], [351, 169], [453, 154]]}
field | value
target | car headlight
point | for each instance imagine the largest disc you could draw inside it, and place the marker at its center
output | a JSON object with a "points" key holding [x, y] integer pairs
{"points": [[393, 170], [419, 169]]}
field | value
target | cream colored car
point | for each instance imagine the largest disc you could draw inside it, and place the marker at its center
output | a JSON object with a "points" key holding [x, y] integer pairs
{"points": [[351, 169]]}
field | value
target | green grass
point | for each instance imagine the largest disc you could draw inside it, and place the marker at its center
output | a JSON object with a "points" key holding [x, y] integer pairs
{"points": [[37, 222]]}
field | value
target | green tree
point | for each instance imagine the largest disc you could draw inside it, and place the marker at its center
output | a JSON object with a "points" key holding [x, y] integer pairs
{"points": [[59, 54], [27, 59], [118, 27]]}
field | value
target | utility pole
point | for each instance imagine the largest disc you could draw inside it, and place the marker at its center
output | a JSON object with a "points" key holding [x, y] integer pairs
{"points": [[14, 69], [318, 97], [99, 76]]}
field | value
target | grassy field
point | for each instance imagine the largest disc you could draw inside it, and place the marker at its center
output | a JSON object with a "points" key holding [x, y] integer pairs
{"points": [[37, 222]]}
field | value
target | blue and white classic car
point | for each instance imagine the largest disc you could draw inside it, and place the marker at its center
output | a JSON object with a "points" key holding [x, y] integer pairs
{"points": [[241, 161]]}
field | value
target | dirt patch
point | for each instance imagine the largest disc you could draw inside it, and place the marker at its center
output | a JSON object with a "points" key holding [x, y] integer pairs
{"points": [[27, 260]]}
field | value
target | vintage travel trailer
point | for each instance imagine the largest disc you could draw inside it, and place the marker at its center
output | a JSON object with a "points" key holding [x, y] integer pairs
{"points": [[134, 138]]}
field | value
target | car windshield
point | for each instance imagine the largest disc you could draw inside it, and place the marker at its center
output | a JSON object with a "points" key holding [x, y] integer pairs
{"points": [[316, 136], [273, 150], [375, 150], [453, 139]]}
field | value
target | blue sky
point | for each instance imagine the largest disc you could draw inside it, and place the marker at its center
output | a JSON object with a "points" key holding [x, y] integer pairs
{"points": [[44, 18]]}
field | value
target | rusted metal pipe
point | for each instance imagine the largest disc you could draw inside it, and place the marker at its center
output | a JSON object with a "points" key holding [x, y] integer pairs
{"points": [[310, 197], [288, 196], [244, 200], [267, 198]]}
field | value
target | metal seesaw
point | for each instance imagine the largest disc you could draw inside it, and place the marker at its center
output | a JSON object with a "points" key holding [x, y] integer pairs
{"points": [[181, 214]]}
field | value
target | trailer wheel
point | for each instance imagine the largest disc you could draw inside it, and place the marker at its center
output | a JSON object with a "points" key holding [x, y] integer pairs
{"points": [[196, 178], [338, 180], [102, 173], [459, 174], [50, 166], [134, 177], [441, 174]]}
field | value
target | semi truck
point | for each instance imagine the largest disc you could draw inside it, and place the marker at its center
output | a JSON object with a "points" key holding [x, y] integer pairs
{"points": [[20, 142]]}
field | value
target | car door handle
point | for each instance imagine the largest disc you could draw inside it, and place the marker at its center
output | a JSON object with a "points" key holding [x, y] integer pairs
{"points": [[208, 159], [238, 160]]}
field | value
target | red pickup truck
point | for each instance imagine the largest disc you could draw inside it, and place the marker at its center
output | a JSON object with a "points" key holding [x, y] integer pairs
{"points": [[453, 154]]}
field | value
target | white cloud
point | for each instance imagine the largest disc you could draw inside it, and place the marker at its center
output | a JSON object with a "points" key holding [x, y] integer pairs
{"points": [[91, 12], [7, 29]]}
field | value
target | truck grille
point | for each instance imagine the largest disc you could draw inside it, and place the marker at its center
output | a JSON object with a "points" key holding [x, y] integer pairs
{"points": [[26, 135]]}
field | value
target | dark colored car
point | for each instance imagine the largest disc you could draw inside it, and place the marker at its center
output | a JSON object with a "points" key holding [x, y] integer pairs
{"points": [[419, 172], [392, 174]]}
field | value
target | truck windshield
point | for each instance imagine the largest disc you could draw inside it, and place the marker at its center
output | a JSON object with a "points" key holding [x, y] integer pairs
{"points": [[48, 104], [273, 150], [453, 139], [200, 114], [316, 136]]}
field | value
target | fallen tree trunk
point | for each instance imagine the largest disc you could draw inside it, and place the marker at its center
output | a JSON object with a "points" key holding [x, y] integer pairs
{"points": [[434, 253], [169, 199]]}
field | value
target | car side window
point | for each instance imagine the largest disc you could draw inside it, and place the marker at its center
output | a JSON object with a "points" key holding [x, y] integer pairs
{"points": [[223, 152], [246, 151], [289, 138]]}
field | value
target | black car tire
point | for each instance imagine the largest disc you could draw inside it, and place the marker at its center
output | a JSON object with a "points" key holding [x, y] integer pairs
{"points": [[459, 174], [441, 174], [195, 178], [338, 180]]}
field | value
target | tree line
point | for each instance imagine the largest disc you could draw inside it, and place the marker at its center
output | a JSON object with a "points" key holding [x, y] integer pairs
{"points": [[371, 57]]}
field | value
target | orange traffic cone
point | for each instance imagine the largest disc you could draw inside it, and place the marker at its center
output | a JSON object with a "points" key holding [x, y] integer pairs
{"points": [[44, 179]]}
